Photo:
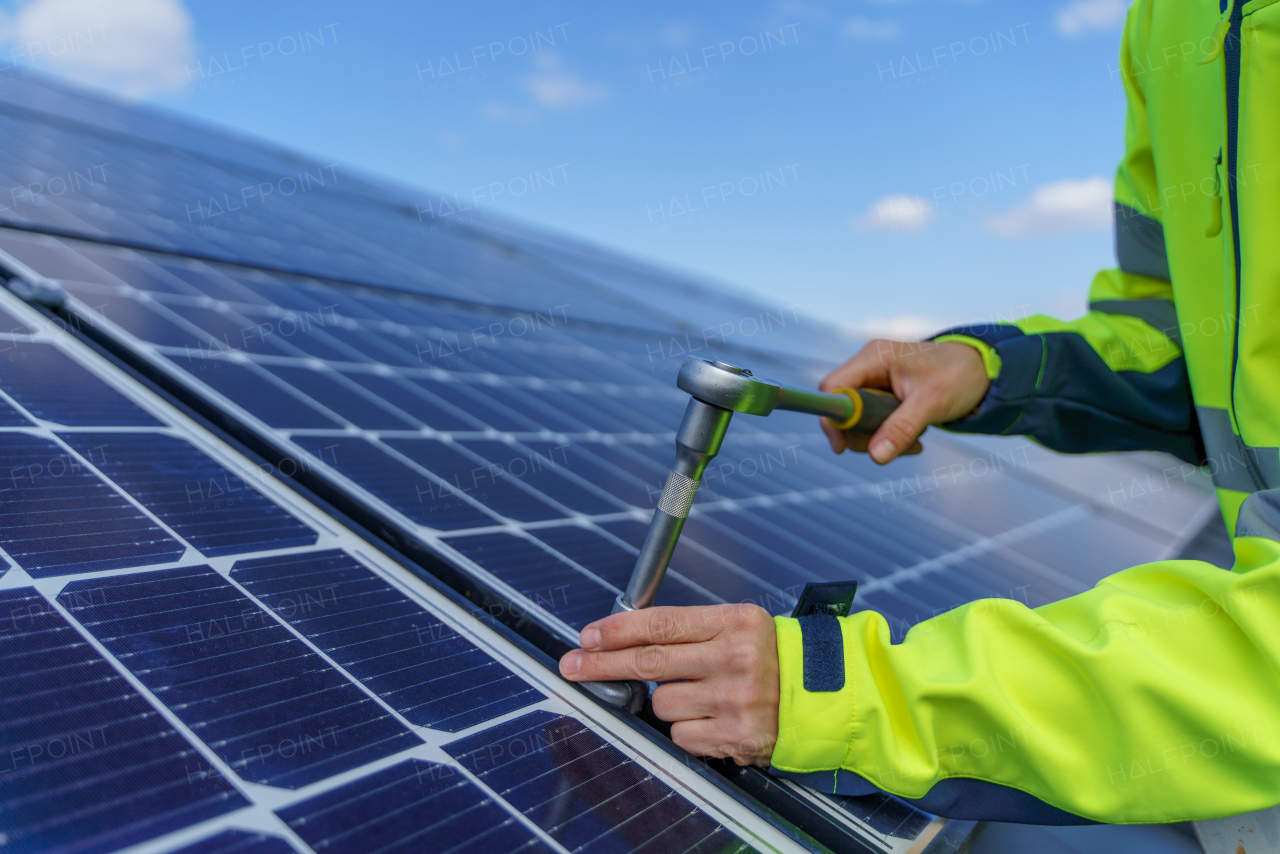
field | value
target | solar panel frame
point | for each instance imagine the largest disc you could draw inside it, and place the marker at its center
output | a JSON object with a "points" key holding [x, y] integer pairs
{"points": [[475, 625]]}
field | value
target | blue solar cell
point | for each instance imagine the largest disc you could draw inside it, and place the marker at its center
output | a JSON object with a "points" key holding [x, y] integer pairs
{"points": [[730, 586], [409, 492], [133, 269], [10, 417], [532, 405], [610, 561], [411, 807], [583, 461], [488, 410], [51, 386], [540, 576], [86, 764], [57, 517], [795, 550], [202, 502], [271, 708], [214, 285], [485, 482], [411, 400], [585, 793], [258, 395], [588, 413], [231, 332], [238, 842], [421, 667], [139, 318], [543, 471], [54, 261], [748, 554], [329, 390]]}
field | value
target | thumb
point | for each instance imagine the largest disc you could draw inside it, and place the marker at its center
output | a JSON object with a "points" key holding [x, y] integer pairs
{"points": [[900, 430]]}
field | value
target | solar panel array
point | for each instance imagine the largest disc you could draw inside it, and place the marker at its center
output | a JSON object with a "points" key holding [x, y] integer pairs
{"points": [[536, 459], [501, 397], [191, 657]]}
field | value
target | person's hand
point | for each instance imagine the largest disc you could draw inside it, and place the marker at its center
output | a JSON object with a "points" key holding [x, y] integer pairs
{"points": [[936, 383], [726, 658]]}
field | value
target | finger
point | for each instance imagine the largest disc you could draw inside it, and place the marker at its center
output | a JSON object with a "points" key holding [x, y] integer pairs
{"points": [[710, 737], [856, 441], [835, 436], [869, 367], [660, 625], [901, 429], [700, 737], [683, 701], [646, 663]]}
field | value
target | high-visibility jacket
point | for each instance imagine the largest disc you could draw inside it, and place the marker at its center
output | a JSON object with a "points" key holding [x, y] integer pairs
{"points": [[1154, 696]]}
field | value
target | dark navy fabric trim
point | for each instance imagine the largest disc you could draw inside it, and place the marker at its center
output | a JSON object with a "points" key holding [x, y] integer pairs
{"points": [[1055, 387], [1260, 515], [990, 333], [1158, 312], [955, 797], [823, 652], [1140, 243]]}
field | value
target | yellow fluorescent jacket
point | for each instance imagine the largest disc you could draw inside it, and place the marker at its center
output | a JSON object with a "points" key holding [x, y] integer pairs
{"points": [[1155, 696]]}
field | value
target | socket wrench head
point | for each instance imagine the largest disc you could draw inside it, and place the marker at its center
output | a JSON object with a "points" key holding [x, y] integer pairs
{"points": [[728, 387]]}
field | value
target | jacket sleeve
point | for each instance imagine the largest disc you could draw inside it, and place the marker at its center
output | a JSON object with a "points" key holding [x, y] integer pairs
{"points": [[998, 693], [1115, 379]]}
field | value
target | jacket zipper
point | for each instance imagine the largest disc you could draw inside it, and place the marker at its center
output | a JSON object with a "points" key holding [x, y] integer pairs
{"points": [[1231, 46]]}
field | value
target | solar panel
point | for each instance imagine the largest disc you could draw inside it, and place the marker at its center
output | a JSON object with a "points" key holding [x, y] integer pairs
{"points": [[195, 658], [495, 397]]}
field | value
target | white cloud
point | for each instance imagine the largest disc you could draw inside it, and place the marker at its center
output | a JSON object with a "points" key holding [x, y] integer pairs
{"points": [[676, 34], [1081, 15], [896, 212], [558, 89], [900, 327], [1058, 208], [867, 29], [502, 114], [561, 90], [133, 47]]}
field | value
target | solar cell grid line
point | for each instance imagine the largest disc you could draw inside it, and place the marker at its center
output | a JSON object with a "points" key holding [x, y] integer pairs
{"points": [[88, 764], [78, 397], [205, 504], [400, 482], [238, 842], [429, 673], [612, 561], [544, 472], [474, 477], [409, 806], [417, 403], [342, 397], [550, 767], [267, 398], [271, 708], [728, 581], [540, 576], [44, 480], [581, 460]]}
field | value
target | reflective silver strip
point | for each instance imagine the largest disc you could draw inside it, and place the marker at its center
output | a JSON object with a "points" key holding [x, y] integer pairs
{"points": [[1229, 458], [1260, 515], [677, 495], [1160, 313], [1140, 243]]}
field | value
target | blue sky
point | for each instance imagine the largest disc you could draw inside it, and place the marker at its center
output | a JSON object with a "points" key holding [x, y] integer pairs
{"points": [[888, 165]]}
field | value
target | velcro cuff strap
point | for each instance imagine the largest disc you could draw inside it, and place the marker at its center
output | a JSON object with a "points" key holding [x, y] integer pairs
{"points": [[823, 646]]}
